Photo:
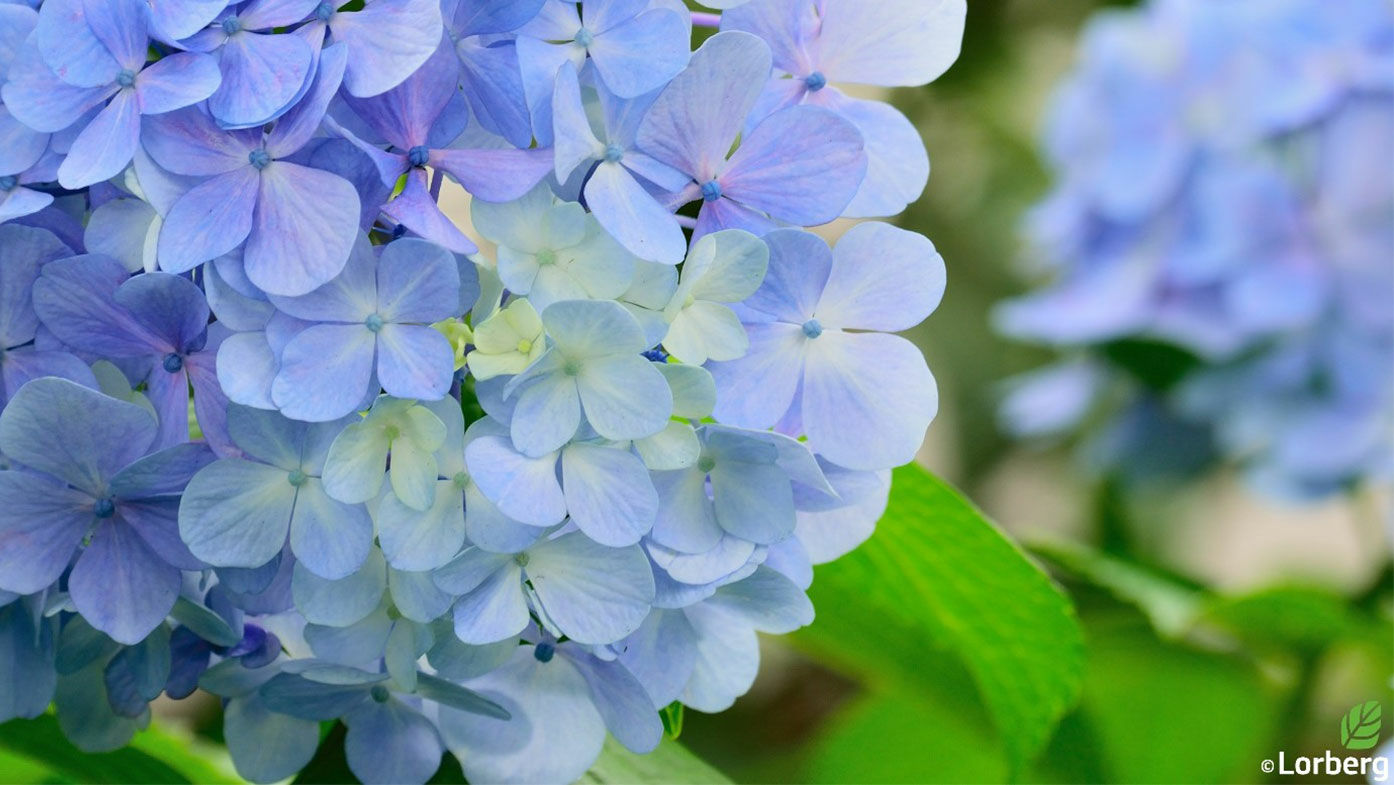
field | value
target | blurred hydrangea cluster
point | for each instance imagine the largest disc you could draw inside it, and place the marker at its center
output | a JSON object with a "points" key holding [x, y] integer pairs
{"points": [[274, 427], [1223, 224]]}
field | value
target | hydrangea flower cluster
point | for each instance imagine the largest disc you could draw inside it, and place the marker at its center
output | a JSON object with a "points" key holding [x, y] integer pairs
{"points": [[274, 427], [1221, 189]]}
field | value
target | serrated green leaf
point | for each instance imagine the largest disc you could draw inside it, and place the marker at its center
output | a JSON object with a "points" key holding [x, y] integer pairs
{"points": [[938, 575], [1360, 726], [1170, 606], [670, 764]]}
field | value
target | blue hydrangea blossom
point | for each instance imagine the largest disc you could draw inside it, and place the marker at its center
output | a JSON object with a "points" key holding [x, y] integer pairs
{"points": [[1256, 241], [276, 425]]}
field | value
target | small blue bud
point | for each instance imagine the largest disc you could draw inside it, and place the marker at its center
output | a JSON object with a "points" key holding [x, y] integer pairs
{"points": [[259, 159], [126, 77], [8, 182], [812, 328], [711, 191], [104, 508], [544, 652], [380, 693], [231, 25], [613, 153], [173, 363], [418, 155], [297, 478], [323, 11], [373, 323], [815, 81], [584, 38], [656, 355]]}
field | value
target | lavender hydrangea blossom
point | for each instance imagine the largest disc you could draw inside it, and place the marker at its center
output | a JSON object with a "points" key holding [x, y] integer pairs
{"points": [[275, 427], [1257, 243]]}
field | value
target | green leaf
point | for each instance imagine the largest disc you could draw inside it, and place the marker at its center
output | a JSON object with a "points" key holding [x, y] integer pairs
{"points": [[1361, 725], [672, 716], [939, 576], [1307, 619], [1163, 712], [1169, 605], [670, 764], [153, 757]]}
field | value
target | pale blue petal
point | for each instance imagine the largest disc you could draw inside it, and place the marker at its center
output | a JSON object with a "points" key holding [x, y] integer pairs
{"points": [[236, 513], [692, 124], [389, 743], [883, 278], [305, 225], [767, 601], [868, 399], [330, 538], [105, 146], [76, 434], [339, 603], [415, 362], [208, 221], [641, 54], [661, 655], [176, 81], [629, 713], [728, 658], [555, 733], [686, 517], [608, 494], [414, 540], [524, 489], [631, 214], [265, 746], [325, 372], [624, 397], [121, 586], [262, 76], [594, 594], [42, 522], [387, 41], [898, 43], [802, 165]]}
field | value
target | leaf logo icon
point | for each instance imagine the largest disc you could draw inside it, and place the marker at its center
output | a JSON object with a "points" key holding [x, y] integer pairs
{"points": [[1361, 725]]}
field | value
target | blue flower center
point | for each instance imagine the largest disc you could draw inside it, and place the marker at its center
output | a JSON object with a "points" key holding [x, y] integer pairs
{"points": [[379, 693], [8, 182], [584, 38], [373, 323], [259, 159], [126, 77], [656, 355], [323, 11], [104, 508], [812, 328], [461, 480], [815, 81], [231, 25], [705, 464], [571, 368], [544, 652], [711, 191], [297, 478], [418, 155], [521, 559], [613, 153], [172, 363]]}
